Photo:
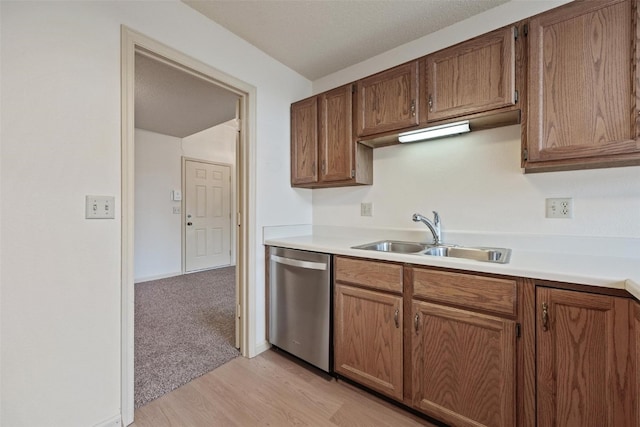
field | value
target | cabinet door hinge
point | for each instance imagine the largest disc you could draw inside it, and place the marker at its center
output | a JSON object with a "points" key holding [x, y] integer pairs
{"points": [[516, 97], [353, 173], [353, 88], [525, 30], [525, 154], [518, 330], [515, 33]]}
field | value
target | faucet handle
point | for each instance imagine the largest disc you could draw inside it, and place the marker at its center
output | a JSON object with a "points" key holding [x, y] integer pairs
{"points": [[436, 218]]}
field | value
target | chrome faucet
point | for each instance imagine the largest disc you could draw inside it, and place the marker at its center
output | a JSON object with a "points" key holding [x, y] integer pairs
{"points": [[434, 226]]}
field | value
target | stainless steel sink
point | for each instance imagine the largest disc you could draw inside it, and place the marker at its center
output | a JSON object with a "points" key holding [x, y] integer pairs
{"points": [[393, 246], [497, 255]]}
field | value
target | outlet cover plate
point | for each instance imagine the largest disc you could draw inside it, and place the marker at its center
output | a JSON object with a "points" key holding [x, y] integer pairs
{"points": [[366, 209], [559, 208]]}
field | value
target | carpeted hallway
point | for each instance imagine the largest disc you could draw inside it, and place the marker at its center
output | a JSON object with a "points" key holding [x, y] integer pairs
{"points": [[184, 328]]}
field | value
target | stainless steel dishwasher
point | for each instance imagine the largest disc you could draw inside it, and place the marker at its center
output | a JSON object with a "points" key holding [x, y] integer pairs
{"points": [[300, 305]]}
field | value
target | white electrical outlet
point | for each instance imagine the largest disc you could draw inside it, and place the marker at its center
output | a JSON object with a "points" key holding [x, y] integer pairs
{"points": [[366, 209], [176, 210], [560, 208]]}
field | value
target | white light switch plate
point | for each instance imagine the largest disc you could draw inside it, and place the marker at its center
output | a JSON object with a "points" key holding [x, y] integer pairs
{"points": [[100, 207]]}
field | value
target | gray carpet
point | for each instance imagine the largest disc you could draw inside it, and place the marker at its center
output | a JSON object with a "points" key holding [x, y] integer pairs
{"points": [[184, 328]]}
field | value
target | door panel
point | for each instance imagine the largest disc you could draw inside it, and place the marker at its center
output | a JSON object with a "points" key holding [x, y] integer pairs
{"points": [[207, 215]]}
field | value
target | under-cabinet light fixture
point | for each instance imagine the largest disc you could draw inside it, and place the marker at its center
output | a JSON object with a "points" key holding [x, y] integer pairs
{"points": [[435, 132]]}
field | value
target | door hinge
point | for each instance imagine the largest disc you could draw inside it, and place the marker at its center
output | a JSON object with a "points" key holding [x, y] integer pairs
{"points": [[525, 154], [353, 173], [238, 311], [518, 330], [515, 33], [517, 97], [525, 30], [353, 88], [238, 218]]}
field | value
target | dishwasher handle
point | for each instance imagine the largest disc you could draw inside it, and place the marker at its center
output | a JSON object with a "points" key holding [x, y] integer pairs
{"points": [[298, 263]]}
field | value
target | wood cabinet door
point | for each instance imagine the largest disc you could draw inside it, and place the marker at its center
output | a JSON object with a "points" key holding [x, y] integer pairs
{"points": [[336, 135], [388, 101], [463, 366], [581, 82], [582, 357], [368, 338], [304, 141], [471, 77]]}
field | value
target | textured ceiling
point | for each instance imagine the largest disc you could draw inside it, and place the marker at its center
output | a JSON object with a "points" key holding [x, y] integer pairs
{"points": [[173, 102], [319, 37]]}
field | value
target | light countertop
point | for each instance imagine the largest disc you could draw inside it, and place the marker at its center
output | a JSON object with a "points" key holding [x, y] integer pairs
{"points": [[612, 263]]}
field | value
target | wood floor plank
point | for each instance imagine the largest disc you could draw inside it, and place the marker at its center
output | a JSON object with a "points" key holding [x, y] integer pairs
{"points": [[270, 389]]}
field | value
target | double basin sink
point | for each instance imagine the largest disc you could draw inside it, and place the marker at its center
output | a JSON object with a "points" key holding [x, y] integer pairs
{"points": [[496, 255]]}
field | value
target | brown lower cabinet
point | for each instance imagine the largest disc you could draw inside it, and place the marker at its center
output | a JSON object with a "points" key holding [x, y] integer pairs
{"points": [[463, 366], [368, 337], [584, 369], [368, 324], [446, 343]]}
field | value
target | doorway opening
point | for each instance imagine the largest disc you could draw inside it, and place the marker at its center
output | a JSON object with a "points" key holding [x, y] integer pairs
{"points": [[242, 218]]}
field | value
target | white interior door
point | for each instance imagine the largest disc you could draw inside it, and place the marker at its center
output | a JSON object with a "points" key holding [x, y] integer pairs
{"points": [[207, 215]]}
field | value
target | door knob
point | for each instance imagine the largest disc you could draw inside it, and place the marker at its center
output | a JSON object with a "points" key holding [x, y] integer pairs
{"points": [[189, 223]]}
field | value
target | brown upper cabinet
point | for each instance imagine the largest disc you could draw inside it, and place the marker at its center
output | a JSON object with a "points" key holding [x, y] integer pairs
{"points": [[471, 77], [569, 75], [323, 149], [582, 87], [304, 142], [388, 101]]}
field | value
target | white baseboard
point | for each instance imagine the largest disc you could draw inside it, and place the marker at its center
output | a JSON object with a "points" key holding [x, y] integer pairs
{"points": [[262, 347], [115, 421], [162, 276]]}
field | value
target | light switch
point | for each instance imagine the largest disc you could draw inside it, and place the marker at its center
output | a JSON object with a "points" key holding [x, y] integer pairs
{"points": [[99, 207], [176, 195]]}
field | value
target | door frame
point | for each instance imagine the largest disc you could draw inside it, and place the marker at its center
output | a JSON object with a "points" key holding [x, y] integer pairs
{"points": [[133, 42], [232, 205]]}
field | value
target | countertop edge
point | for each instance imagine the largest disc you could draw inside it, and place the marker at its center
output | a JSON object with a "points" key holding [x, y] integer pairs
{"points": [[532, 265]]}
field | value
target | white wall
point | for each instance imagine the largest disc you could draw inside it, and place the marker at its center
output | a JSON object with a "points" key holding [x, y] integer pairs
{"points": [[158, 238], [158, 171], [60, 132], [475, 180], [476, 184]]}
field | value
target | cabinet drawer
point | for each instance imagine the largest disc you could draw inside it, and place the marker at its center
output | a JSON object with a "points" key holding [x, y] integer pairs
{"points": [[373, 274], [476, 292]]}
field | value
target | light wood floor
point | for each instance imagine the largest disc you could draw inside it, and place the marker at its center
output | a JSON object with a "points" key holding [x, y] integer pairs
{"points": [[269, 390]]}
